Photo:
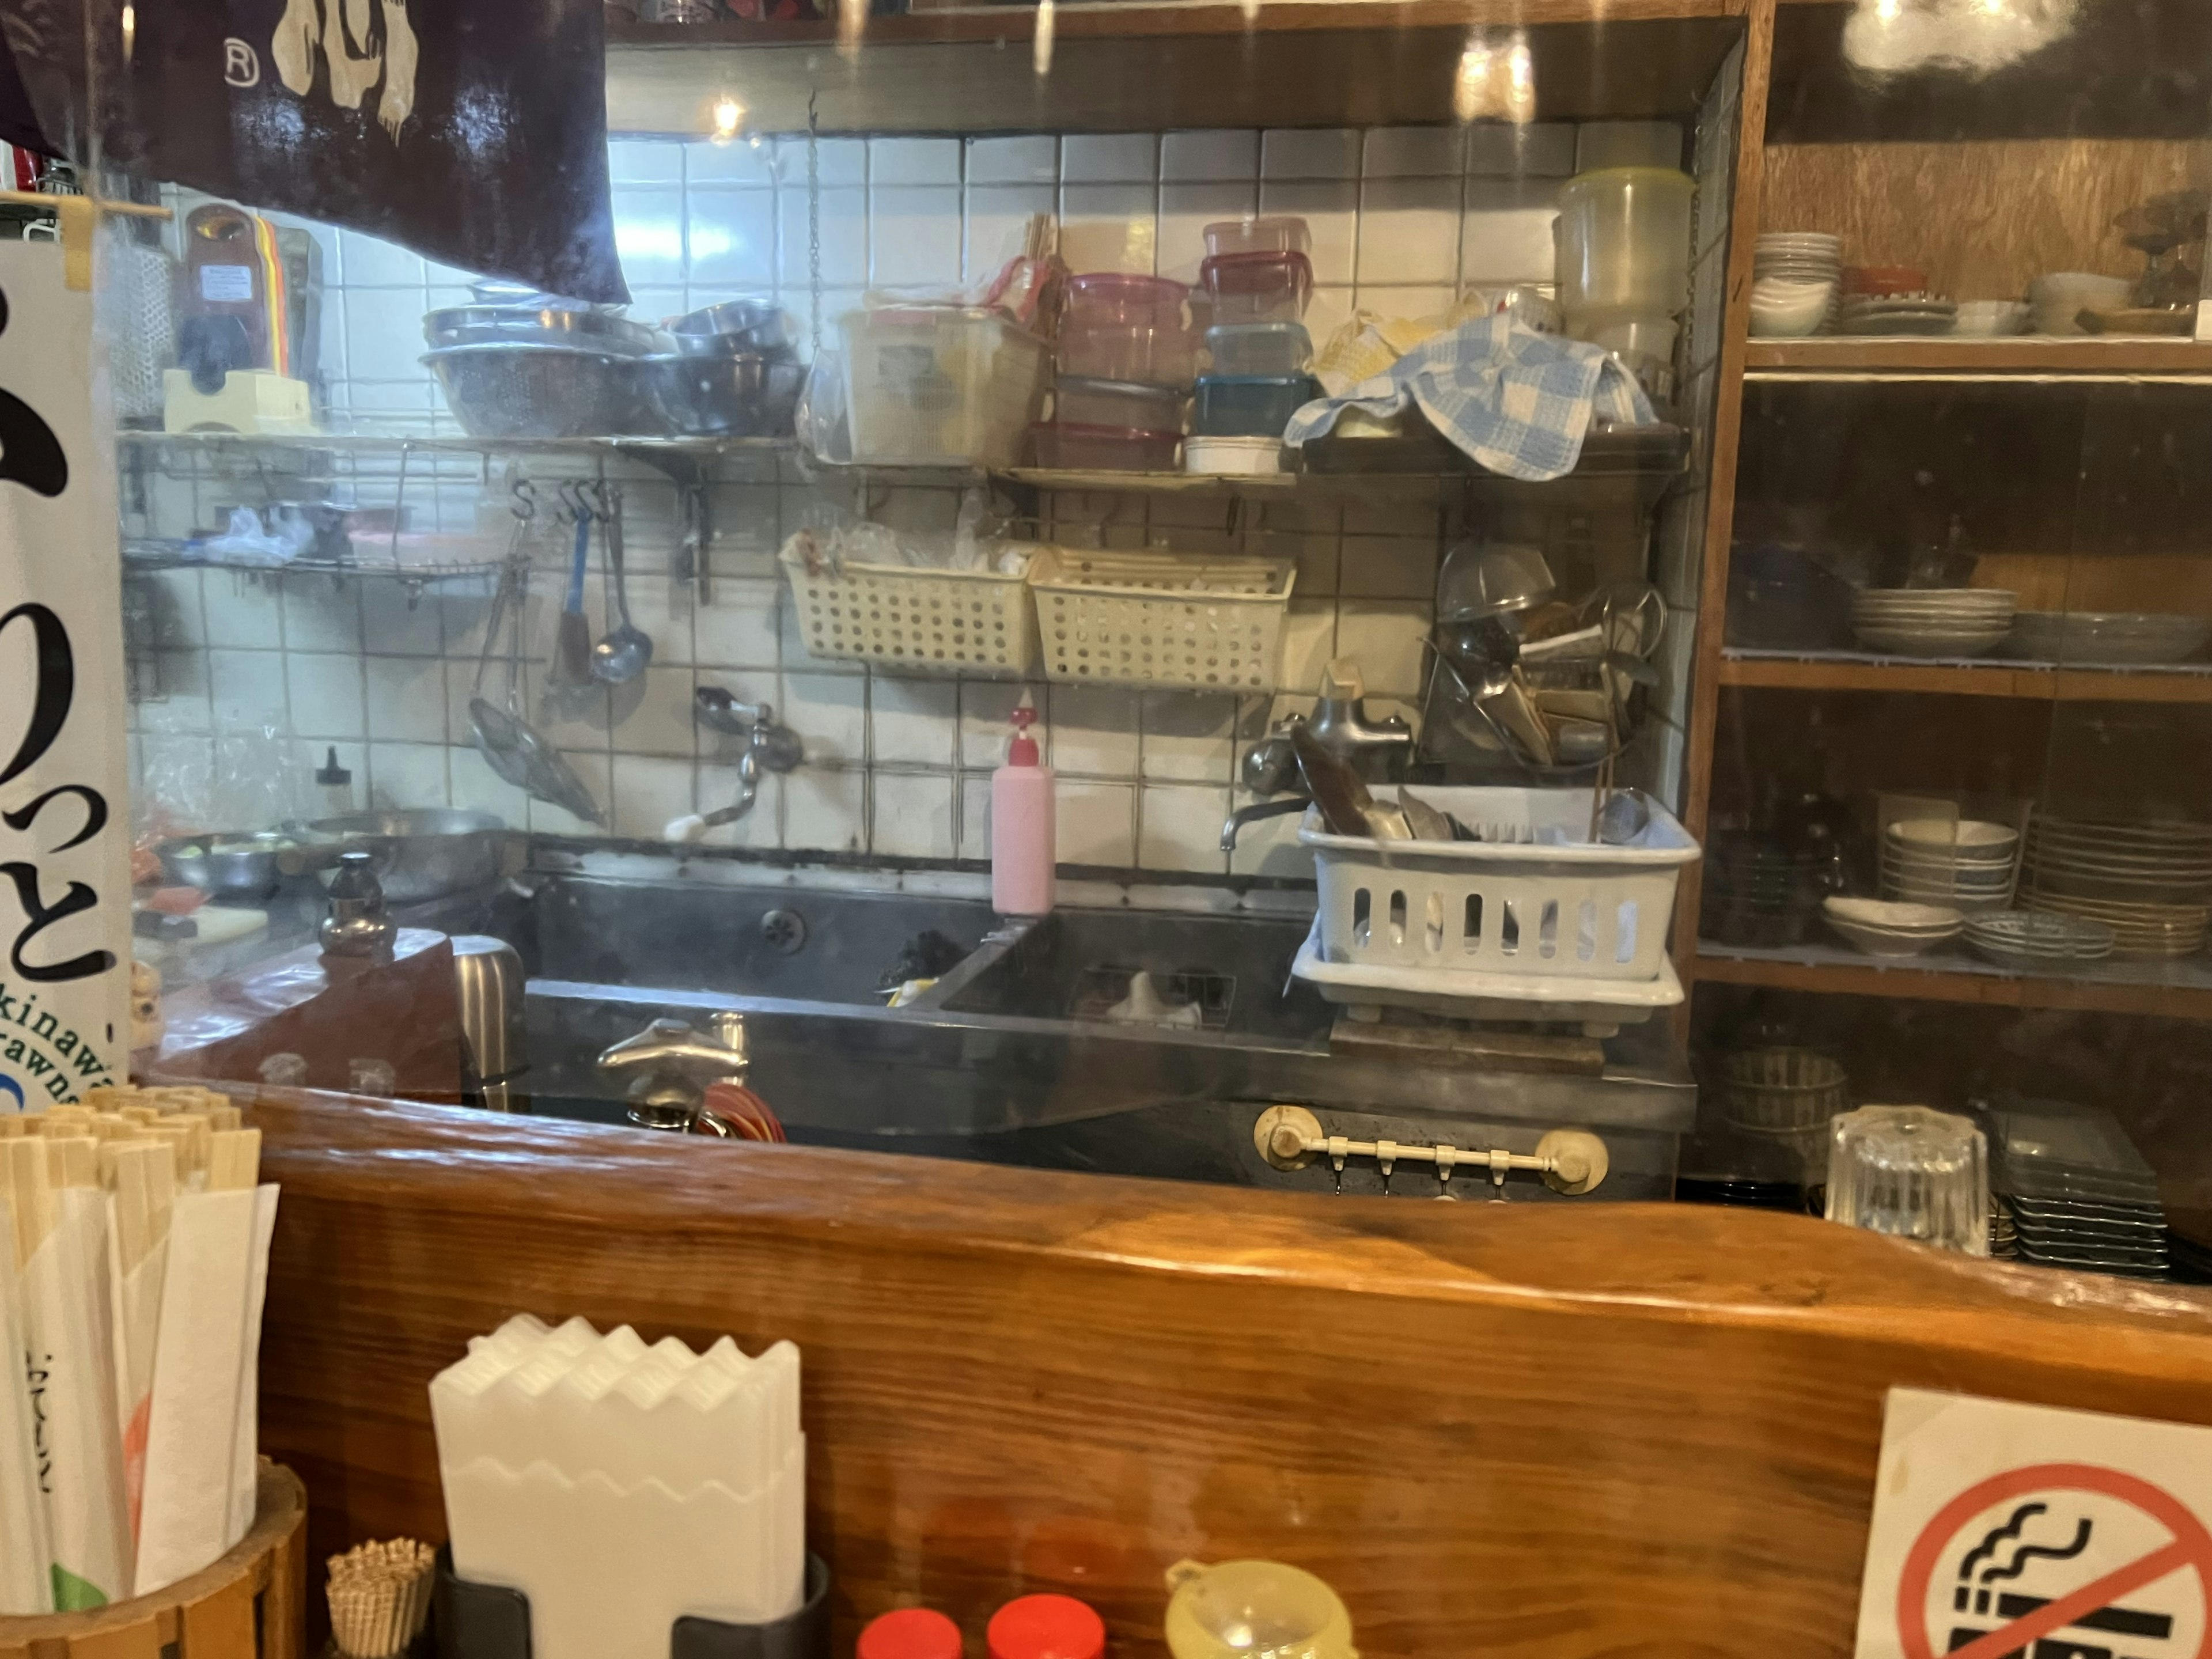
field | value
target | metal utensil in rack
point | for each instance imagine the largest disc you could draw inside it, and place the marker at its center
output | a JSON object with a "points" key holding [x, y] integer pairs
{"points": [[510, 746], [625, 650]]}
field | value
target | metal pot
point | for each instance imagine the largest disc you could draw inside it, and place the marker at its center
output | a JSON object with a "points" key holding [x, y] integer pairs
{"points": [[418, 855], [543, 325], [231, 869]]}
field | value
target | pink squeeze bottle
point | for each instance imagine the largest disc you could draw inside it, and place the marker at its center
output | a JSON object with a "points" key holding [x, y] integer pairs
{"points": [[1021, 825]]}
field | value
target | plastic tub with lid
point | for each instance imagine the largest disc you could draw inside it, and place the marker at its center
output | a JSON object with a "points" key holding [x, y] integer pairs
{"points": [[1249, 406], [1117, 296], [1232, 457], [1066, 446], [1624, 241], [940, 386], [1080, 401], [1279, 232], [1257, 288], [1260, 347]]}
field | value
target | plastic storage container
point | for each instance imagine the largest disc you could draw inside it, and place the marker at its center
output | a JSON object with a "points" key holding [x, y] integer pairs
{"points": [[940, 386], [1279, 232], [1162, 619], [1249, 406], [1260, 349], [1257, 288], [1080, 401], [1076, 448], [1119, 327], [1624, 241]]}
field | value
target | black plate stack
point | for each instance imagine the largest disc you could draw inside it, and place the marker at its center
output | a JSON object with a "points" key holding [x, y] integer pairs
{"points": [[1759, 893], [2079, 1195]]}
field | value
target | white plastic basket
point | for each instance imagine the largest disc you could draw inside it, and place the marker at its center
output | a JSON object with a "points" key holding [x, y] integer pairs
{"points": [[1557, 907], [948, 622], [1598, 1005], [1162, 619]]}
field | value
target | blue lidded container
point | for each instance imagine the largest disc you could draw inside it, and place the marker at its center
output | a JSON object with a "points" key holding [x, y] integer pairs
{"points": [[1260, 347], [1249, 406]]}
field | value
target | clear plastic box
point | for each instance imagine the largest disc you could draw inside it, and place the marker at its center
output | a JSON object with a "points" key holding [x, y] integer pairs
{"points": [[1279, 232], [1249, 406], [1079, 401], [940, 386], [1260, 347], [1257, 288], [1063, 446]]}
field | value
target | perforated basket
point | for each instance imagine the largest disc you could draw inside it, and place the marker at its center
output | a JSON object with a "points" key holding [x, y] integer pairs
{"points": [[1557, 906], [1162, 619], [946, 621]]}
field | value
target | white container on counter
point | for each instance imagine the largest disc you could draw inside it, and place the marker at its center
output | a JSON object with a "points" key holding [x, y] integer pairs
{"points": [[1624, 241], [940, 386]]}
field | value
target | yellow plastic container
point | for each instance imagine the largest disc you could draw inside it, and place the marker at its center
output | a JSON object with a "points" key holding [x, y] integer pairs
{"points": [[1255, 1610]]}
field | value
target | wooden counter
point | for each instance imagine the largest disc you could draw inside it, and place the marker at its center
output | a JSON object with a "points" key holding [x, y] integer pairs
{"points": [[1522, 1430]]}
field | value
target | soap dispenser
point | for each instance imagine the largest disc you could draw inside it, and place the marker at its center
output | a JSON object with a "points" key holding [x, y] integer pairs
{"points": [[1022, 824]]}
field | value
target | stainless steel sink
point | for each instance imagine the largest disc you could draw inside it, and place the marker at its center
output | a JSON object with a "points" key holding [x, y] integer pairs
{"points": [[1010, 1057]]}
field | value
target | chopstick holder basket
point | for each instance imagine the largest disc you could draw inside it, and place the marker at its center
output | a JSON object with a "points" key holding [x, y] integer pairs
{"points": [[248, 1604]]}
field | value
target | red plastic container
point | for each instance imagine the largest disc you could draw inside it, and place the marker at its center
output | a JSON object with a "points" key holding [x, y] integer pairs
{"points": [[1279, 233], [910, 1633], [1257, 288], [1046, 1627], [1072, 448]]}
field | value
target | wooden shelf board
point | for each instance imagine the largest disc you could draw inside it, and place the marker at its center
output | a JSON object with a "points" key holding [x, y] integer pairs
{"points": [[2180, 990], [1125, 68], [2030, 682], [2024, 354]]}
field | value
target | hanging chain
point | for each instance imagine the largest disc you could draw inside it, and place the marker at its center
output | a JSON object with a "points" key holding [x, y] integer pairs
{"points": [[814, 220]]}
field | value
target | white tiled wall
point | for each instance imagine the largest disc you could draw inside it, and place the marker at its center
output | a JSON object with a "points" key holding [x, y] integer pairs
{"points": [[1402, 218], [265, 676]]}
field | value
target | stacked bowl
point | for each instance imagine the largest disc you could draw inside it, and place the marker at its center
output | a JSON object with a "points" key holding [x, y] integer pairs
{"points": [[2116, 639], [1783, 1098], [1931, 622], [1885, 929], [2036, 941], [2150, 883], [1796, 283], [1956, 862]]}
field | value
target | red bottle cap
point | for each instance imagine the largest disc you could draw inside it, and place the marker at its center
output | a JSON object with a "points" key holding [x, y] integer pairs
{"points": [[910, 1633], [1047, 1627], [1023, 750]]}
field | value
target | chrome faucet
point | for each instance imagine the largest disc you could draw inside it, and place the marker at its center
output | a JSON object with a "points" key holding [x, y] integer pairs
{"points": [[769, 747], [671, 1065], [1377, 749]]}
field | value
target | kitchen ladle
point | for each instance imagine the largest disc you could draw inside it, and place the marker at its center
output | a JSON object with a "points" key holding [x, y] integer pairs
{"points": [[626, 650]]}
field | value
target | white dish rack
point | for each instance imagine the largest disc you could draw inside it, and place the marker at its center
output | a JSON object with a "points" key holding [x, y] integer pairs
{"points": [[1162, 619], [913, 617], [1554, 921]]}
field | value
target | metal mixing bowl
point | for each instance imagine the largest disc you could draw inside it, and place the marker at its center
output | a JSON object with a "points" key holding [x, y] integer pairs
{"points": [[544, 325], [232, 869], [727, 395], [537, 389], [424, 854]]}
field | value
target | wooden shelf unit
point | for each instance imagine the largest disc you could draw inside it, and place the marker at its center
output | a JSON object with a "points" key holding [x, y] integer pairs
{"points": [[1138, 67], [2026, 356], [2184, 998], [2031, 682]]}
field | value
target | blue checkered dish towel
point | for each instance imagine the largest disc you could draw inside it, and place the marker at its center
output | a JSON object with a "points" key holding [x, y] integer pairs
{"points": [[1517, 401]]}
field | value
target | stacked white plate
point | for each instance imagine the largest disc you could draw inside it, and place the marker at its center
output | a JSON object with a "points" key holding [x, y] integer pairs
{"points": [[2036, 940], [1801, 256], [1962, 863], [1897, 313], [2151, 883], [2124, 639], [1931, 622], [1886, 929]]}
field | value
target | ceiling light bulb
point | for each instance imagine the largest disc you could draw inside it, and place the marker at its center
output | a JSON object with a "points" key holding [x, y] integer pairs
{"points": [[729, 115]]}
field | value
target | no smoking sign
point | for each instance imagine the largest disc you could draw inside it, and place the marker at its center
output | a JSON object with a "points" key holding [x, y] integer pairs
{"points": [[2003, 1529]]}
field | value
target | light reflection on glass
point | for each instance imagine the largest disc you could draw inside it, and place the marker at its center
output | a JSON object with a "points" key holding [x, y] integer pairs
{"points": [[1495, 82]]}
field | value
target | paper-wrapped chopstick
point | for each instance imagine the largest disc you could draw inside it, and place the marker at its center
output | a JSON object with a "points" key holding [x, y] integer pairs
{"points": [[25, 1585]]}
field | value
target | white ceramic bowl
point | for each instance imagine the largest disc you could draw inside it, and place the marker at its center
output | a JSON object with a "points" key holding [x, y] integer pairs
{"points": [[1966, 837], [1989, 317], [1892, 917]]}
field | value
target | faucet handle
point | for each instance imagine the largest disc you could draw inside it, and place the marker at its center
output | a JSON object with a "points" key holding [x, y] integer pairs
{"points": [[716, 1056], [1341, 681]]}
